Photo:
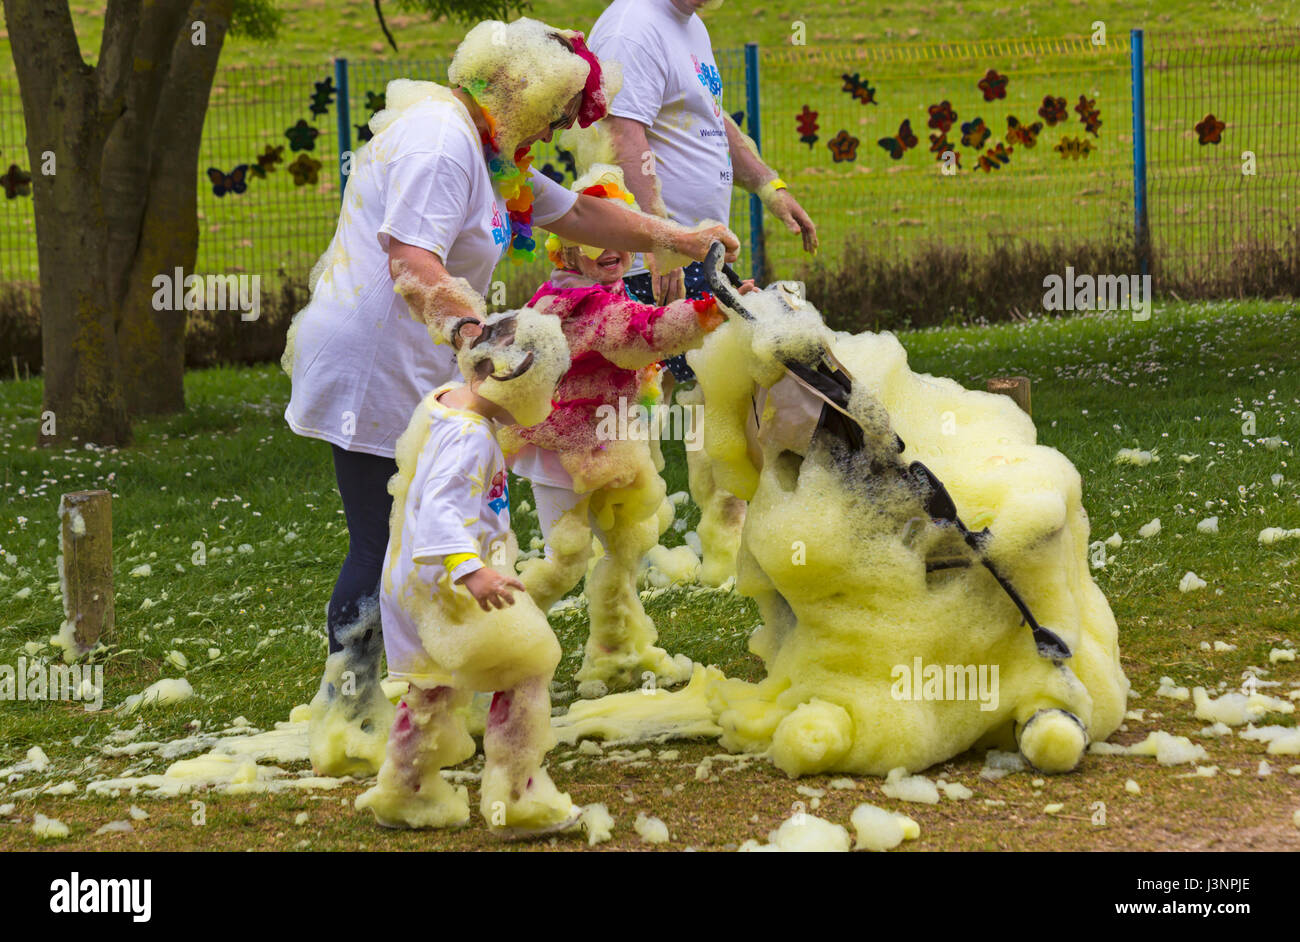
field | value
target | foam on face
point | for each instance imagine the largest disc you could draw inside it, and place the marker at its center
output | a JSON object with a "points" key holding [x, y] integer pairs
{"points": [[527, 396], [835, 557], [520, 75]]}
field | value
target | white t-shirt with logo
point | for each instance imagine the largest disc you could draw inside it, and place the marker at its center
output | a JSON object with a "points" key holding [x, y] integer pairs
{"points": [[361, 363], [672, 86], [458, 502]]}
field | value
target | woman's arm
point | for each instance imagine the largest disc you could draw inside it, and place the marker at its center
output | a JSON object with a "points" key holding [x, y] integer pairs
{"points": [[752, 174], [597, 221], [431, 293]]}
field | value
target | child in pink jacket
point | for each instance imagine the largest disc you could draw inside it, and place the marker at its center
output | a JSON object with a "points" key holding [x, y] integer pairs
{"points": [[590, 463]]}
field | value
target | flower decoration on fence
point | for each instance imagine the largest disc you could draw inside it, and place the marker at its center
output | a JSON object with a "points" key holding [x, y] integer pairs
{"points": [[995, 159], [304, 170], [551, 171], [859, 88], [1209, 130], [940, 145], [1088, 114], [17, 182], [993, 85], [844, 146], [904, 141], [1052, 110], [1023, 134], [1073, 147], [302, 136], [739, 118], [267, 160], [233, 182], [322, 97], [806, 121], [942, 117], [375, 103], [974, 133]]}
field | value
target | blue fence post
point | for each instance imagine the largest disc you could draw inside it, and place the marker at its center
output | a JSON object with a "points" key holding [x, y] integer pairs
{"points": [[752, 114], [343, 113], [1141, 230]]}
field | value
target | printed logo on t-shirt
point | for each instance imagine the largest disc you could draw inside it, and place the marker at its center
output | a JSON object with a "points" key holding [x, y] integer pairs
{"points": [[499, 495], [500, 228], [711, 80]]}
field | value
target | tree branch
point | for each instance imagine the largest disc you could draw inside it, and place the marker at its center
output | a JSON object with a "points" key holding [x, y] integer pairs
{"points": [[43, 40], [116, 51], [379, 12]]}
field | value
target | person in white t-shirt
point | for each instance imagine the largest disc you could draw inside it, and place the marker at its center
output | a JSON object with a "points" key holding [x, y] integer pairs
{"points": [[452, 622], [438, 196], [670, 106]]}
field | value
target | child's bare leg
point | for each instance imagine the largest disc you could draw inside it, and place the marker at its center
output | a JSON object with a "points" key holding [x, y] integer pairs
{"points": [[517, 793], [350, 714], [548, 579], [427, 736]]}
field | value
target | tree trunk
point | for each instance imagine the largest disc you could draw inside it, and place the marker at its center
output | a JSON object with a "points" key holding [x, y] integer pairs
{"points": [[160, 224], [61, 107], [121, 207]]}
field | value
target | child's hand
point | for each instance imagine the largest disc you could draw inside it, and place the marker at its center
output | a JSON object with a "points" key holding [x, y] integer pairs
{"points": [[746, 286], [491, 589]]}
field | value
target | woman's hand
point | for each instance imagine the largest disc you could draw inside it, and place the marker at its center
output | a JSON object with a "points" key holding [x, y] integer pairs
{"points": [[491, 589], [695, 243]]}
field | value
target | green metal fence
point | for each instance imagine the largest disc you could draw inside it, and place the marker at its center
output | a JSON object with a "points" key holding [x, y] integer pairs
{"points": [[1039, 134]]}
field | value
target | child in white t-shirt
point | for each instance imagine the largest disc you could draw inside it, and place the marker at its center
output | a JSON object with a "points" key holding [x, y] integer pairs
{"points": [[455, 618]]}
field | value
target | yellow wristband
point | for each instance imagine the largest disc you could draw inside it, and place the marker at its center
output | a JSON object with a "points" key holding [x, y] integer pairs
{"points": [[768, 189], [455, 559]]}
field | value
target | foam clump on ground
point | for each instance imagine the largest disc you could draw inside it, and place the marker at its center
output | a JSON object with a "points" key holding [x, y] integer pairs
{"points": [[802, 833], [1236, 709], [160, 693], [1166, 748], [878, 829]]}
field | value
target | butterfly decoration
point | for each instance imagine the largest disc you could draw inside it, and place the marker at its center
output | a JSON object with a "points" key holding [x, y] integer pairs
{"points": [[1088, 114], [942, 117], [995, 159], [1073, 147], [302, 136], [266, 161], [233, 182], [1209, 130], [975, 133], [904, 141], [1052, 110], [940, 145], [806, 121], [376, 101], [739, 118], [553, 173], [844, 146], [859, 88], [566, 158], [322, 97], [993, 85], [16, 181], [364, 133], [1023, 134], [305, 170]]}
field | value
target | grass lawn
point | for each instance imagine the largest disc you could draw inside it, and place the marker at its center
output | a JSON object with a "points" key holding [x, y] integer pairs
{"points": [[230, 475]]}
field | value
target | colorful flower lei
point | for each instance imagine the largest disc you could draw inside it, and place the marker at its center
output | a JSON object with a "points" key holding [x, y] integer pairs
{"points": [[511, 180]]}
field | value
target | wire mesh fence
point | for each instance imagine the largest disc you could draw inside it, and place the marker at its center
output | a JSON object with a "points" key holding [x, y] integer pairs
{"points": [[1223, 150], [981, 143], [898, 146]]}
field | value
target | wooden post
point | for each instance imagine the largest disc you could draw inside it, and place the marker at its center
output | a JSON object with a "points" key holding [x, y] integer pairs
{"points": [[86, 539], [1017, 387]]}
